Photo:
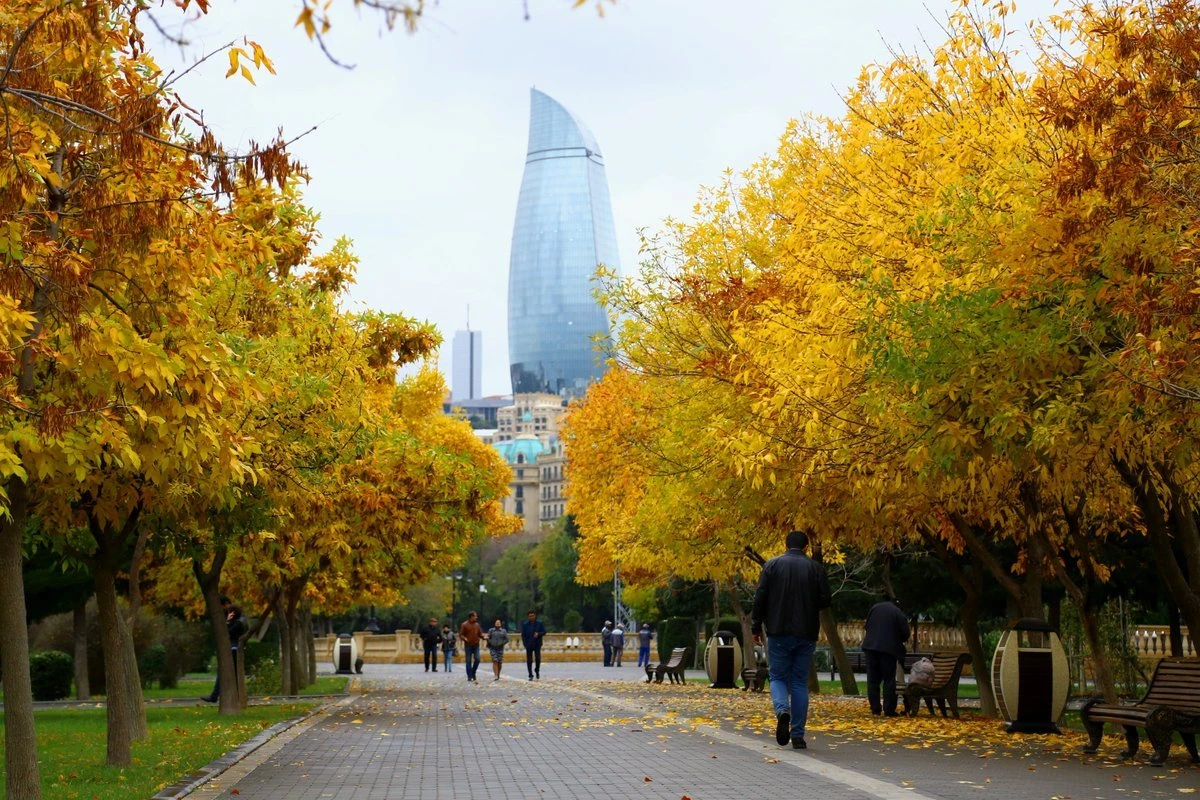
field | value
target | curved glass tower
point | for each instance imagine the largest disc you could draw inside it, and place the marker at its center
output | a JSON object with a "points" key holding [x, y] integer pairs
{"points": [[564, 229]]}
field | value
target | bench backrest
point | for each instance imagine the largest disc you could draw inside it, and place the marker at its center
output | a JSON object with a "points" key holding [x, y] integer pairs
{"points": [[1176, 683], [947, 667], [677, 657]]}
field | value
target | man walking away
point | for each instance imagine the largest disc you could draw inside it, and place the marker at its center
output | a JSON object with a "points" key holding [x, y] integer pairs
{"points": [[235, 625], [431, 637], [644, 637], [883, 645], [470, 632], [618, 644], [448, 645], [532, 634], [606, 640], [497, 637], [792, 590]]}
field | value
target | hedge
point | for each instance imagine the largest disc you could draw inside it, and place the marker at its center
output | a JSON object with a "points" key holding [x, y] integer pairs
{"points": [[675, 632], [51, 672]]}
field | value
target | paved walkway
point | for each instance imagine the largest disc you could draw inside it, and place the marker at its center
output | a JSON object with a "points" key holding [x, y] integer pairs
{"points": [[418, 735]]}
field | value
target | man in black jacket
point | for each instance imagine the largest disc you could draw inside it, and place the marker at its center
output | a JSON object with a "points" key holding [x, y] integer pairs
{"points": [[431, 637], [235, 625], [792, 590], [883, 645]]}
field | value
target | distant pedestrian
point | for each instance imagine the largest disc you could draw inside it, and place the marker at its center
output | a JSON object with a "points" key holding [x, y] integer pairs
{"points": [[883, 646], [470, 632], [618, 644], [606, 640], [533, 631], [449, 645], [431, 637], [645, 635], [497, 638], [792, 590], [235, 625]]}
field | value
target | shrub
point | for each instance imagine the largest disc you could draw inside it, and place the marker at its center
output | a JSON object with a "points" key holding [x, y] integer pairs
{"points": [[51, 672], [676, 632], [257, 652], [152, 666], [265, 679], [572, 620], [731, 624]]}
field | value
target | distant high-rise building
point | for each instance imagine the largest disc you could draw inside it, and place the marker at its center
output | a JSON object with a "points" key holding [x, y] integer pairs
{"points": [[467, 377], [563, 230]]}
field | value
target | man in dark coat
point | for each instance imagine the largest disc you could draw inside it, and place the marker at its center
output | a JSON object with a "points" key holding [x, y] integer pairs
{"points": [[533, 631], [792, 590], [235, 624], [883, 645], [431, 637], [606, 640]]}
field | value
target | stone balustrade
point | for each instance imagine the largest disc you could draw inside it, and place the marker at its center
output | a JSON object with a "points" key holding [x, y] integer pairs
{"points": [[404, 647]]}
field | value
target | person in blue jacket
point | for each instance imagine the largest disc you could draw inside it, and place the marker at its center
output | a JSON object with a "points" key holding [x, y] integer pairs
{"points": [[532, 634]]}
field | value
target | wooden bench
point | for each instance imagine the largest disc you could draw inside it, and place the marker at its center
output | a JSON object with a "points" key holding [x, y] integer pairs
{"points": [[673, 667], [858, 661], [947, 669], [1171, 705]]}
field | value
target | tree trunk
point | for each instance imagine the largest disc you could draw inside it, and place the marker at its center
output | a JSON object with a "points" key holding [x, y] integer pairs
{"points": [[121, 726], [310, 646], [1174, 628], [838, 652], [1091, 632], [79, 638], [299, 654], [285, 645], [746, 622], [969, 614], [20, 738], [209, 581]]}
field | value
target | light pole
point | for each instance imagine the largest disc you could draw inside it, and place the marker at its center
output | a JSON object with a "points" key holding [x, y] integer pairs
{"points": [[455, 577]]}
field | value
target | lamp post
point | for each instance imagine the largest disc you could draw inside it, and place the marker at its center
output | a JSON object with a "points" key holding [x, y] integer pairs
{"points": [[455, 577]]}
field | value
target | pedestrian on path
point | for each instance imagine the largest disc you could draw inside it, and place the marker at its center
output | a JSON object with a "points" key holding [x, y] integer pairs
{"points": [[431, 637], [533, 631], [449, 643], [618, 644], [644, 637], [792, 590], [470, 632], [606, 640], [497, 638], [883, 646]]}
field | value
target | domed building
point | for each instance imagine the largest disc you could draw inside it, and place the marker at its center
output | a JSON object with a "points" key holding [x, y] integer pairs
{"points": [[537, 487]]}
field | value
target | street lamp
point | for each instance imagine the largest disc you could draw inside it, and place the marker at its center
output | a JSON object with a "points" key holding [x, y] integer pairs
{"points": [[455, 577]]}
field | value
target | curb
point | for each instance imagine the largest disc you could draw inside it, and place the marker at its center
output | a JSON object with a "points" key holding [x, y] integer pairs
{"points": [[190, 783]]}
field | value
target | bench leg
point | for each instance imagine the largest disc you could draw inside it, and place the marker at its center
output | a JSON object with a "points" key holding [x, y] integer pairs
{"points": [[954, 704], [1131, 741], [1189, 741], [1095, 730], [941, 706], [1159, 725]]}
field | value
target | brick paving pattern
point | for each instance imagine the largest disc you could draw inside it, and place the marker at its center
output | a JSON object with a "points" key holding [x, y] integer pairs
{"points": [[414, 735]]}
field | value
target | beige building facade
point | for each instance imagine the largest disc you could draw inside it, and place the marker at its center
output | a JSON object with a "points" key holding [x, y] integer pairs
{"points": [[527, 437]]}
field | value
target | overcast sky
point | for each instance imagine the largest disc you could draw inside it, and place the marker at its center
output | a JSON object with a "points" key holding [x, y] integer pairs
{"points": [[419, 149]]}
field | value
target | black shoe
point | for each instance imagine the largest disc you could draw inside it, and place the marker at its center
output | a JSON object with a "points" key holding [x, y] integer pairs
{"points": [[209, 699], [530, 677], [891, 714], [799, 744], [783, 728], [538, 676]]}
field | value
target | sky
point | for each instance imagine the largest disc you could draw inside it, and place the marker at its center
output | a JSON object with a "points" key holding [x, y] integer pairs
{"points": [[418, 150]]}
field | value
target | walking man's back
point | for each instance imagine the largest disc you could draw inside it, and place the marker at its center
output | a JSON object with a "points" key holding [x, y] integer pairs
{"points": [[792, 590]]}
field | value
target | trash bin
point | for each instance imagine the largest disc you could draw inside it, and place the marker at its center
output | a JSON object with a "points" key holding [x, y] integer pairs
{"points": [[345, 653], [723, 660], [1030, 677]]}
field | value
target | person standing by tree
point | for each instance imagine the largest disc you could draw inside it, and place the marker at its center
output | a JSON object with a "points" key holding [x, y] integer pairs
{"points": [[883, 645], [431, 637], [497, 638], [235, 624], [606, 640], [533, 631], [470, 632], [448, 645], [618, 644], [645, 635], [792, 590]]}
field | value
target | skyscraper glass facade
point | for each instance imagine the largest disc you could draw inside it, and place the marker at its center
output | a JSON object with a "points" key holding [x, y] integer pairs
{"points": [[467, 365], [563, 230]]}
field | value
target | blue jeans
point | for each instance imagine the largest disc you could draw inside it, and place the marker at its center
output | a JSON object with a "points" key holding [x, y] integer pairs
{"points": [[471, 660], [643, 656], [789, 658], [448, 655]]}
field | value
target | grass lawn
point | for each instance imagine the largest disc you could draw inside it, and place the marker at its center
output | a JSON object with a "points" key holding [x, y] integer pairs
{"points": [[71, 746], [196, 684]]}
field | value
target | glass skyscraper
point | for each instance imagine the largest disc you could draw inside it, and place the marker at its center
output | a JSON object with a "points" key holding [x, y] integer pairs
{"points": [[564, 229]]}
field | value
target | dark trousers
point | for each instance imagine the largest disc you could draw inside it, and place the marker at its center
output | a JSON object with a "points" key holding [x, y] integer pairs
{"points": [[881, 668], [608, 654], [431, 656], [215, 694], [471, 660], [533, 660]]}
